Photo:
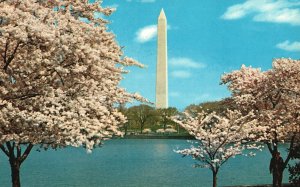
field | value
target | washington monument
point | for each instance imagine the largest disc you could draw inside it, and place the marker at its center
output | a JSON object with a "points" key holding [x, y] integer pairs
{"points": [[162, 63]]}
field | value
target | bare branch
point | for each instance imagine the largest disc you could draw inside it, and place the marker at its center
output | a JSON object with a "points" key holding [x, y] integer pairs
{"points": [[270, 147], [22, 97], [12, 56], [18, 151], [4, 150], [5, 50], [61, 79], [10, 150], [290, 151], [26, 152]]}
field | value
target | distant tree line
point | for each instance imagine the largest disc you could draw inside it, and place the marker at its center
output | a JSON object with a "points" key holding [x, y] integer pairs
{"points": [[144, 119]]}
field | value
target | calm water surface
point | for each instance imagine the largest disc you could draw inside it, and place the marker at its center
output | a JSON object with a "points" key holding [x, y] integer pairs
{"points": [[133, 163]]}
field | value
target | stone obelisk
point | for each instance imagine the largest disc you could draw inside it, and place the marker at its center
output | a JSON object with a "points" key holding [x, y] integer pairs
{"points": [[162, 65]]}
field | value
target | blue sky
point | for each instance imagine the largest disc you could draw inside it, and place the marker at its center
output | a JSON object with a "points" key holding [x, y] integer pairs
{"points": [[205, 39]]}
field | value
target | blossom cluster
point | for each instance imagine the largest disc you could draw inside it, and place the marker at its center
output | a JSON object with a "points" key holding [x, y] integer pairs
{"points": [[273, 95], [59, 76], [219, 137]]}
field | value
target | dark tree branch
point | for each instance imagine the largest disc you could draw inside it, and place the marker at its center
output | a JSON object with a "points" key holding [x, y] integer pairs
{"points": [[4, 150], [10, 150], [223, 143], [288, 90], [208, 151], [270, 147], [67, 65], [278, 96], [26, 152], [271, 100], [18, 151], [8, 145], [5, 50], [12, 56], [210, 164], [61, 79], [290, 151], [275, 143], [226, 160], [3, 56], [22, 97]]}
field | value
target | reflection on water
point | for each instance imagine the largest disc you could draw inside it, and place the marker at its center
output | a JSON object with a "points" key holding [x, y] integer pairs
{"points": [[161, 149], [136, 163]]}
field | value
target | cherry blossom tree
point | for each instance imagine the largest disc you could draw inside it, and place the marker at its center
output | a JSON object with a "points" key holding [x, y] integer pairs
{"points": [[274, 96], [59, 77], [220, 137]]}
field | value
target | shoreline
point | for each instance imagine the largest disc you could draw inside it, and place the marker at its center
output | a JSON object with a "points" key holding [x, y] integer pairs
{"points": [[262, 185], [180, 137]]}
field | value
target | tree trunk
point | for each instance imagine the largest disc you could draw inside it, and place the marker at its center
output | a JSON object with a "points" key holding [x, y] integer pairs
{"points": [[277, 178], [16, 158], [214, 179], [15, 172], [278, 165]]}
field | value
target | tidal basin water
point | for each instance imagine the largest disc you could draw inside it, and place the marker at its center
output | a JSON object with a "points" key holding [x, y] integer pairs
{"points": [[133, 163]]}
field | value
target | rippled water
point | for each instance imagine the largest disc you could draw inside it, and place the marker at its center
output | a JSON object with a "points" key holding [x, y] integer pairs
{"points": [[135, 163]]}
